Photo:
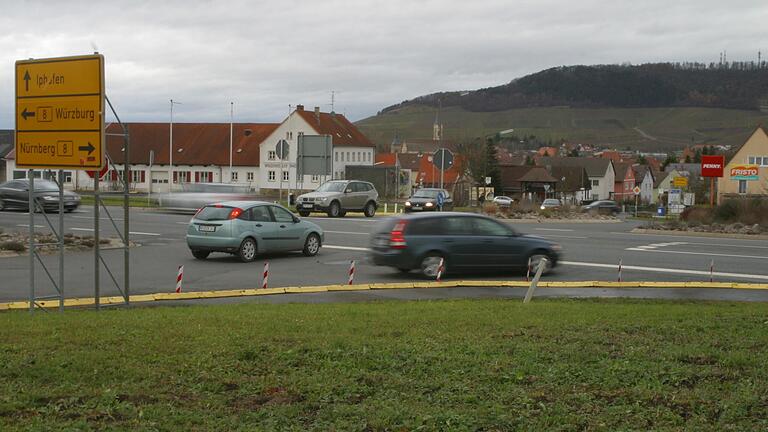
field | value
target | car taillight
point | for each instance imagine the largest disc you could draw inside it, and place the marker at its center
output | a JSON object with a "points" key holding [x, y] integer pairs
{"points": [[235, 213], [397, 237]]}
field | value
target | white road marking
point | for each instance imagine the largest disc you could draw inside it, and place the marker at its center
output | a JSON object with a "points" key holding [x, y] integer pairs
{"points": [[681, 236], [27, 226], [91, 218], [698, 253], [560, 236], [346, 248], [131, 232], [347, 232], [667, 270], [183, 223], [553, 229], [726, 245]]}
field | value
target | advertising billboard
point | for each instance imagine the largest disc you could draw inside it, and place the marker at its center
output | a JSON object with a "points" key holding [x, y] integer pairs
{"points": [[712, 166]]}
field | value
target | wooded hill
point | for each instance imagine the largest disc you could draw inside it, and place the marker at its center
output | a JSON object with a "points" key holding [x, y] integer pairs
{"points": [[738, 85]]}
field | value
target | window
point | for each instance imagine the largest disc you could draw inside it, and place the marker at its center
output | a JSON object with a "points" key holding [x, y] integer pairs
{"points": [[286, 175], [67, 176], [315, 179], [359, 157], [595, 182], [271, 176], [758, 160], [342, 157], [336, 157], [17, 174], [281, 214], [136, 176], [485, 227], [206, 177], [234, 175], [742, 186], [272, 155], [348, 159], [259, 214], [249, 176]]}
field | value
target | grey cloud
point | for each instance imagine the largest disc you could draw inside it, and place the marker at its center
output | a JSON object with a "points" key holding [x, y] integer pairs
{"points": [[265, 55]]}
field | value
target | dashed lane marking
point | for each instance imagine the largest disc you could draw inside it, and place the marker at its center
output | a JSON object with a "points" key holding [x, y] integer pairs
{"points": [[554, 229], [346, 232], [131, 232], [698, 253]]}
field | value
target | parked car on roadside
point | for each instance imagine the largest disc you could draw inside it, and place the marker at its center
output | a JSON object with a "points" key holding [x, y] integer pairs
{"points": [[503, 201], [15, 194], [602, 207], [464, 241], [337, 197], [249, 228], [551, 203], [427, 199]]}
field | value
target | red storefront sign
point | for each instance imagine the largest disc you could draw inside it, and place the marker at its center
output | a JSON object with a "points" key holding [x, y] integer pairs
{"points": [[712, 166]]}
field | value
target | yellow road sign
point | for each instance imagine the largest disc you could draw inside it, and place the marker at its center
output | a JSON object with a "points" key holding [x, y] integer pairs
{"points": [[680, 181], [60, 112]]}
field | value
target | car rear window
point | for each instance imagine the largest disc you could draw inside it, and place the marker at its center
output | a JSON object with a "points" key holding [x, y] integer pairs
{"points": [[214, 213]]}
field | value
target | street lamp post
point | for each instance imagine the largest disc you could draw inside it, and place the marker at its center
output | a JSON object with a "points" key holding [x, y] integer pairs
{"points": [[170, 150], [231, 122]]}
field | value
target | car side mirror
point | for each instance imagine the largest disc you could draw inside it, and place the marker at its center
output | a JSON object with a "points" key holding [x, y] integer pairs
{"points": [[348, 191], [296, 219]]}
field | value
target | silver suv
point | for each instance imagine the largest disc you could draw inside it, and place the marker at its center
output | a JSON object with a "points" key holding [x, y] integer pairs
{"points": [[337, 197]]}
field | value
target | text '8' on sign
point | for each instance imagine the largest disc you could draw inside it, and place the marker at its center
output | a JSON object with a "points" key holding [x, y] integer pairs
{"points": [[60, 112]]}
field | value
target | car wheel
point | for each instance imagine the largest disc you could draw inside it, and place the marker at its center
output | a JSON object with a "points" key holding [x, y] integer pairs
{"points": [[312, 245], [536, 258], [201, 255], [342, 213], [247, 250], [370, 209], [334, 210], [430, 263], [2, 205], [303, 213]]}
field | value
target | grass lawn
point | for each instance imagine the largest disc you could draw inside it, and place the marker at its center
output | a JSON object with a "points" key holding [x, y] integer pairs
{"points": [[428, 365]]}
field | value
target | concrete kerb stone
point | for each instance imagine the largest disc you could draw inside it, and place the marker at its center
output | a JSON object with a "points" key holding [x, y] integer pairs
{"points": [[192, 295]]}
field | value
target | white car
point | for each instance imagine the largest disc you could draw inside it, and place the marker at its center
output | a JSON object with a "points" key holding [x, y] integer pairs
{"points": [[503, 201]]}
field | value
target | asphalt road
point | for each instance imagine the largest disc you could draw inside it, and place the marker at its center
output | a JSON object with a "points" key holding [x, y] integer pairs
{"points": [[591, 252]]}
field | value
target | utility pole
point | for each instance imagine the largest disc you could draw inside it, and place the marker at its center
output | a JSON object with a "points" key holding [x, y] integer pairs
{"points": [[231, 122], [170, 151]]}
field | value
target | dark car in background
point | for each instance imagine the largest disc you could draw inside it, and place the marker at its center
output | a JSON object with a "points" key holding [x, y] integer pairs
{"points": [[427, 199], [465, 241], [15, 194], [602, 207]]}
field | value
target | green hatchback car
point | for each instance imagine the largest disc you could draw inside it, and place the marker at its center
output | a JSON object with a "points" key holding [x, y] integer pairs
{"points": [[249, 228]]}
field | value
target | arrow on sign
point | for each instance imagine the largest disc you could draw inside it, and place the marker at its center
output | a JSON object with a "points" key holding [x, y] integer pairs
{"points": [[26, 80], [26, 113], [89, 148]]}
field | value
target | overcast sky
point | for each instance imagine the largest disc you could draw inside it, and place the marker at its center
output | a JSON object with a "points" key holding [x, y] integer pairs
{"points": [[265, 55]]}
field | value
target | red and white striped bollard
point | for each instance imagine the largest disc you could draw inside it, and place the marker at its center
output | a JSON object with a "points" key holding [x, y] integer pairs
{"points": [[528, 274], [619, 270], [351, 272], [265, 275], [440, 269], [179, 278]]}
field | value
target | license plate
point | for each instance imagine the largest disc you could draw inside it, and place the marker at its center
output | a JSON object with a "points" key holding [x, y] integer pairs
{"points": [[206, 228], [307, 205]]}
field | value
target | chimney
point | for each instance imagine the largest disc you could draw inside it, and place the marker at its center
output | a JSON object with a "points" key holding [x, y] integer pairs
{"points": [[299, 107], [317, 113]]}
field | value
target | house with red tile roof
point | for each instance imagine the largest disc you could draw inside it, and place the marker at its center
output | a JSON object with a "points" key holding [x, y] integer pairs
{"points": [[624, 182], [200, 153]]}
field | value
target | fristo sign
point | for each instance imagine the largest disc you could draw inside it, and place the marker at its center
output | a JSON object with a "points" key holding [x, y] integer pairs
{"points": [[745, 172]]}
